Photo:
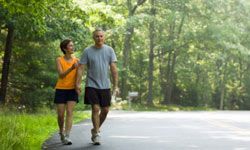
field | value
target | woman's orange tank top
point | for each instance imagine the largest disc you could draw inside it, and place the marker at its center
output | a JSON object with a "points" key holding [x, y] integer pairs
{"points": [[67, 82]]}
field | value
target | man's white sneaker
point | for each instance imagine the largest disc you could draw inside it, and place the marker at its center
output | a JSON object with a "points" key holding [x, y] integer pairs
{"points": [[97, 139]]}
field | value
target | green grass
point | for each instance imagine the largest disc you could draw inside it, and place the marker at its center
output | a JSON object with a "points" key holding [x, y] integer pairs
{"points": [[157, 107], [23, 131]]}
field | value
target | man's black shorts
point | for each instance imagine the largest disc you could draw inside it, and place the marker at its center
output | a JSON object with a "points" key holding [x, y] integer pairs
{"points": [[62, 96], [97, 96]]}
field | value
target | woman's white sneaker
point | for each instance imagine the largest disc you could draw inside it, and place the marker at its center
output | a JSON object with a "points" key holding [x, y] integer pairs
{"points": [[67, 141], [62, 137]]}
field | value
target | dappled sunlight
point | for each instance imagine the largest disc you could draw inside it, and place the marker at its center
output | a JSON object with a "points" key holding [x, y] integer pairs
{"points": [[179, 71], [130, 137]]}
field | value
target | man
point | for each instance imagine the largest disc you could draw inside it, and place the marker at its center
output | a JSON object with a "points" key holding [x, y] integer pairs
{"points": [[98, 59]]}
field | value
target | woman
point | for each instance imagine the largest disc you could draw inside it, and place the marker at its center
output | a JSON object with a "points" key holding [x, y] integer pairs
{"points": [[65, 95]]}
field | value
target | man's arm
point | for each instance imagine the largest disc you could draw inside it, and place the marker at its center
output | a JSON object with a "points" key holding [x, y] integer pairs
{"points": [[79, 74], [114, 73]]}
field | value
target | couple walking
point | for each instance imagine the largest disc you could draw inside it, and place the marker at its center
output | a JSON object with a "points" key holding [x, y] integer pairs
{"points": [[98, 60]]}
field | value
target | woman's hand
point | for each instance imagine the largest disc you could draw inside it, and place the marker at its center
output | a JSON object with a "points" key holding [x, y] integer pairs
{"points": [[75, 65]]}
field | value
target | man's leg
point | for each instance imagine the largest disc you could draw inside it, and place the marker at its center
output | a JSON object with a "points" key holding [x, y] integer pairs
{"points": [[60, 116], [96, 117], [103, 115], [69, 116]]}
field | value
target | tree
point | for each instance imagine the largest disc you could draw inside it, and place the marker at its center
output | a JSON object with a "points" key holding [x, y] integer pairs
{"points": [[129, 31], [16, 15]]}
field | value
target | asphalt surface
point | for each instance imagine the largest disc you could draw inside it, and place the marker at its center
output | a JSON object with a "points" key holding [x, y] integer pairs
{"points": [[198, 130]]}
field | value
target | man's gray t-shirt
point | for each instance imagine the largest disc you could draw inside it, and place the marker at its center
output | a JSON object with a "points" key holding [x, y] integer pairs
{"points": [[98, 61]]}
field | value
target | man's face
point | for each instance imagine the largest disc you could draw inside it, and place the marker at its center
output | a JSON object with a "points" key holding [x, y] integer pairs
{"points": [[99, 38]]}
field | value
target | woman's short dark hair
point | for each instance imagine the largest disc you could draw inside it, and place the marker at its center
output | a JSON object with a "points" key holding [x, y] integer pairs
{"points": [[64, 44]]}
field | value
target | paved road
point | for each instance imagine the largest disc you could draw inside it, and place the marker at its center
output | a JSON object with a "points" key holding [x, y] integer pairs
{"points": [[217, 130]]}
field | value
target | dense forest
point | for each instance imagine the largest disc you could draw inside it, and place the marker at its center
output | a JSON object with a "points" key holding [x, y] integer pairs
{"points": [[173, 52]]}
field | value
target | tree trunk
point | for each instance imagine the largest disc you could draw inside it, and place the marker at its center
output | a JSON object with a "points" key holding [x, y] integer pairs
{"points": [[161, 54], [6, 62], [167, 90], [126, 50], [222, 96], [151, 55], [197, 82], [222, 87]]}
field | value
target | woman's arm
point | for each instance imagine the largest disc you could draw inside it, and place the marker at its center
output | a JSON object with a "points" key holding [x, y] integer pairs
{"points": [[60, 71]]}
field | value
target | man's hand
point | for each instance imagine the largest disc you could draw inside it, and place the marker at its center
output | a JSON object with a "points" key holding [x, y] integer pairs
{"points": [[80, 70], [116, 91], [114, 73], [78, 90]]}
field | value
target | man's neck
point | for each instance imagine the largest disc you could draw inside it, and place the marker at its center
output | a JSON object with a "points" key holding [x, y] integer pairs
{"points": [[98, 46]]}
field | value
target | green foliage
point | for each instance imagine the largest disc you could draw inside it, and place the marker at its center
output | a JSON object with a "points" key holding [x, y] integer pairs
{"points": [[209, 41], [36, 46]]}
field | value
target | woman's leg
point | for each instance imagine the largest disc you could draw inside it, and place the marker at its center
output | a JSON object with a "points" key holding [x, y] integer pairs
{"points": [[69, 116], [60, 116]]}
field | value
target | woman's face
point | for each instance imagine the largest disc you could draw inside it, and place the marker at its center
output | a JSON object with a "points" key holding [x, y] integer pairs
{"points": [[70, 48]]}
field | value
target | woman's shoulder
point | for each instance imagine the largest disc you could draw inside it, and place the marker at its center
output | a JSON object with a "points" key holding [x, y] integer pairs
{"points": [[75, 58], [59, 58]]}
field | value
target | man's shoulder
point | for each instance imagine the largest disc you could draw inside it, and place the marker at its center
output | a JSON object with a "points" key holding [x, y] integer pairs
{"points": [[88, 48], [108, 47]]}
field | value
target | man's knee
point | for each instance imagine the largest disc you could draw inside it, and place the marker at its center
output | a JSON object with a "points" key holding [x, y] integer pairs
{"points": [[95, 109]]}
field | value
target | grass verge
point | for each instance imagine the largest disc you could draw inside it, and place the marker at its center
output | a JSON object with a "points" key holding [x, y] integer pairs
{"points": [[157, 107], [23, 131]]}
